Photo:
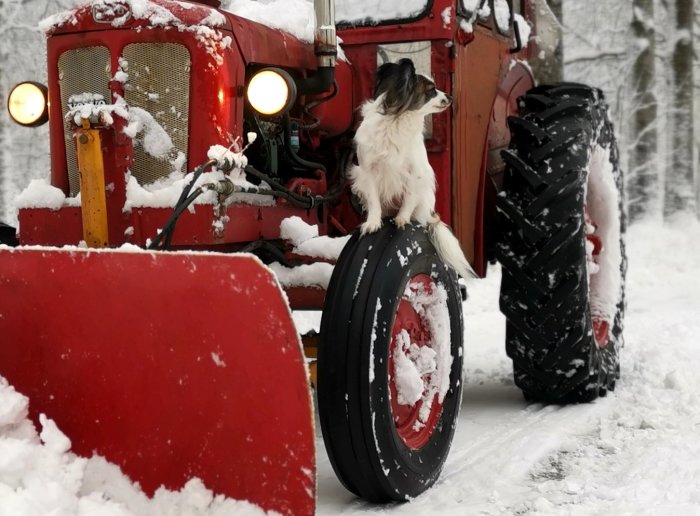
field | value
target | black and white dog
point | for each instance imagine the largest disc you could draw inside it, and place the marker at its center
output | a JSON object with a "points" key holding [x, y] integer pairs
{"points": [[393, 175]]}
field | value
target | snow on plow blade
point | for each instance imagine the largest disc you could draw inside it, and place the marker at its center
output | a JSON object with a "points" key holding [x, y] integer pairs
{"points": [[171, 365]]}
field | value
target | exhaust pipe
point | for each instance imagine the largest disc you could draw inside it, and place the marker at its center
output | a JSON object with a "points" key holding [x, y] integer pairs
{"points": [[324, 37], [325, 45]]}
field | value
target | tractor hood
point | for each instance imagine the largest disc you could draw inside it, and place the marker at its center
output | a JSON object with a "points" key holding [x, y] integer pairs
{"points": [[212, 28], [131, 14]]}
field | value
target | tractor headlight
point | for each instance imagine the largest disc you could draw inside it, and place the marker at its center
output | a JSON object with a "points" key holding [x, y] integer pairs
{"points": [[28, 104], [271, 91]]}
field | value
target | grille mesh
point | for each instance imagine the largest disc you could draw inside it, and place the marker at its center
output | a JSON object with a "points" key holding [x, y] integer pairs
{"points": [[81, 70], [159, 82]]}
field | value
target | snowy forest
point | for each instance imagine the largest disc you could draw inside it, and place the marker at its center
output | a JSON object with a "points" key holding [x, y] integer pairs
{"points": [[642, 53]]}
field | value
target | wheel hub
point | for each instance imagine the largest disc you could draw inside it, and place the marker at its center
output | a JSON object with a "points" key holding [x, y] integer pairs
{"points": [[413, 366]]}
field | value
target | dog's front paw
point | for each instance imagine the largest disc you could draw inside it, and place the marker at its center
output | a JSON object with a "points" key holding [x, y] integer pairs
{"points": [[371, 226], [401, 221]]}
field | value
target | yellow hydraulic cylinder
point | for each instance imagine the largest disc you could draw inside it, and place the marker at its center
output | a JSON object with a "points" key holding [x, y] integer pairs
{"points": [[92, 186]]}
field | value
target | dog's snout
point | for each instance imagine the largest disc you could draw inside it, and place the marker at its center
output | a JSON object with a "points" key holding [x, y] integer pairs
{"points": [[447, 100]]}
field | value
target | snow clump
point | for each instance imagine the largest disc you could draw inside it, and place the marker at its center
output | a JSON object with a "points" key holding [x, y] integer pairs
{"points": [[304, 237]]}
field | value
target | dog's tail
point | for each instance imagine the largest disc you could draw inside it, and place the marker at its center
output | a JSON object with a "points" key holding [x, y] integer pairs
{"points": [[448, 248]]}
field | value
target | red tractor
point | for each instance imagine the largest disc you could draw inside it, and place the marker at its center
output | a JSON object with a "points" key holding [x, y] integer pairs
{"points": [[137, 310]]}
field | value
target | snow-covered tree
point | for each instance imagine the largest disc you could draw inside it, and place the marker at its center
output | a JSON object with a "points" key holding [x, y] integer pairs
{"points": [[643, 163], [680, 175], [24, 151], [548, 67]]}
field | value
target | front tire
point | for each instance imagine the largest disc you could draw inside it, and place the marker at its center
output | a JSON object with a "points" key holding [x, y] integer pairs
{"points": [[390, 364], [561, 247]]}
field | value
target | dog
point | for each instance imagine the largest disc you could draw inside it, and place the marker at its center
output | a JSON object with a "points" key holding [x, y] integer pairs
{"points": [[393, 175]]}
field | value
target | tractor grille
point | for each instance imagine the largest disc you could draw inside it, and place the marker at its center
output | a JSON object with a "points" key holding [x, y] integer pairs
{"points": [[159, 82], [81, 70]]}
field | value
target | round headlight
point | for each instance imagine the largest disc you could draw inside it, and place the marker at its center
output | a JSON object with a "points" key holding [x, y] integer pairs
{"points": [[271, 91], [28, 104]]}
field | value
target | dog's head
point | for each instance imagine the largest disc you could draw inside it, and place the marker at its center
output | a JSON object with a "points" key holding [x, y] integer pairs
{"points": [[402, 90]]}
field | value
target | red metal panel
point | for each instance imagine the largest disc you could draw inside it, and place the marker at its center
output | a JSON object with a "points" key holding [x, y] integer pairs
{"points": [[42, 226], [440, 146], [246, 223], [263, 45], [474, 98], [336, 115], [305, 298], [171, 365]]}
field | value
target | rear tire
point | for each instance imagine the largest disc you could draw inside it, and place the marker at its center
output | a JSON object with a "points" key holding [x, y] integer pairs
{"points": [[382, 450], [564, 318]]}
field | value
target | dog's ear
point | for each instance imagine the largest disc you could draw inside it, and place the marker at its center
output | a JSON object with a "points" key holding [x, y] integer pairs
{"points": [[397, 82], [407, 67]]}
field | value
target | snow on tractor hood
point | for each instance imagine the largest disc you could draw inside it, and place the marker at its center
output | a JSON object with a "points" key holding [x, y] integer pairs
{"points": [[109, 14]]}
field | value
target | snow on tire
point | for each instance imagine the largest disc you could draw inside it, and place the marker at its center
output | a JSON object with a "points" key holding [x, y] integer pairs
{"points": [[390, 364], [561, 246]]}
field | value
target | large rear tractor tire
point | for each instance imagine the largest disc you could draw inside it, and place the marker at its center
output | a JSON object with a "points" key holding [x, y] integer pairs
{"points": [[390, 364], [561, 247]]}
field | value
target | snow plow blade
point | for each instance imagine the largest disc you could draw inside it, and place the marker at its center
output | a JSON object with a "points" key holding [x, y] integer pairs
{"points": [[170, 365]]}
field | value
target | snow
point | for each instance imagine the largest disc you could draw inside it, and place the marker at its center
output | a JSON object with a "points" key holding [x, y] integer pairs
{"points": [[306, 242], [411, 363], [502, 14], [297, 16], [226, 158], [297, 231], [446, 15], [602, 204], [316, 275], [92, 106], [40, 194], [293, 16], [475, 9], [156, 140], [524, 29], [431, 305], [471, 5]]}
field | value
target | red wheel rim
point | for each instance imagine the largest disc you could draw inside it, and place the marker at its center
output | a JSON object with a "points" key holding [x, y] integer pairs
{"points": [[415, 431], [601, 327]]}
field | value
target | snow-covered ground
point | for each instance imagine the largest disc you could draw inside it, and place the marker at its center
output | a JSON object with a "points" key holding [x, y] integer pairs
{"points": [[635, 452]]}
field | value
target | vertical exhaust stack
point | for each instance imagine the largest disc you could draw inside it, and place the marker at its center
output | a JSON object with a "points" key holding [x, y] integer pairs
{"points": [[326, 48], [324, 37]]}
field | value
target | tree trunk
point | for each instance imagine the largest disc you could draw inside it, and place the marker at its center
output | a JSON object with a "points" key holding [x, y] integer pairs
{"points": [[643, 177], [696, 89], [548, 67], [3, 103], [680, 185]]}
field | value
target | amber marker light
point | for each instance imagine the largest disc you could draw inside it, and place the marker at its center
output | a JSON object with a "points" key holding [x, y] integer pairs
{"points": [[28, 104], [271, 91]]}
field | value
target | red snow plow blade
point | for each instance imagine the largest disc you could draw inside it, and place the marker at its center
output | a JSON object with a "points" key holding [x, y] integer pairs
{"points": [[171, 365]]}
